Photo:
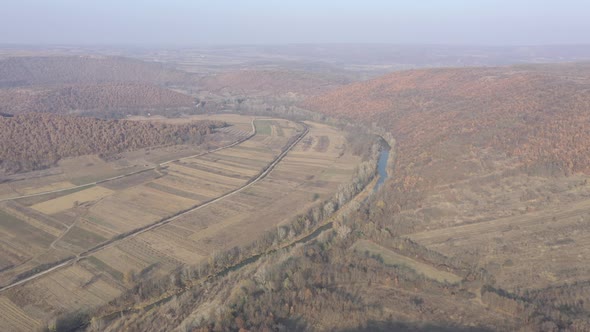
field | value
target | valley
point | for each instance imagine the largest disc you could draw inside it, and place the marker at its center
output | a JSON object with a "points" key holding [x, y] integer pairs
{"points": [[294, 188], [215, 201]]}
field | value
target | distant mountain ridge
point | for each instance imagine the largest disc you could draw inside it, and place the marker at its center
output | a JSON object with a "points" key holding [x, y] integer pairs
{"points": [[44, 70], [83, 97], [272, 82], [60, 84]]}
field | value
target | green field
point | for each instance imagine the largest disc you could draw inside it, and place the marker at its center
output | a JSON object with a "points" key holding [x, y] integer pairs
{"points": [[263, 127]]}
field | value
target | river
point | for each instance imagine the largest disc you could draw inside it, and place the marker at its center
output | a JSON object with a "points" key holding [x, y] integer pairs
{"points": [[382, 168]]}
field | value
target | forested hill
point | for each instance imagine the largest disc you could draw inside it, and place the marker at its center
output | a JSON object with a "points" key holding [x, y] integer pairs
{"points": [[34, 141], [535, 117], [89, 97], [89, 84], [47, 70]]}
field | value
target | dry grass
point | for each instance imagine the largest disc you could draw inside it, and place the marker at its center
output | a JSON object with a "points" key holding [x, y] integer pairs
{"points": [[531, 250], [392, 258]]}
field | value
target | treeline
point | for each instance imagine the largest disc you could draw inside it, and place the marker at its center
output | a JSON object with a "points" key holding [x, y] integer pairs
{"points": [[92, 97], [35, 140]]}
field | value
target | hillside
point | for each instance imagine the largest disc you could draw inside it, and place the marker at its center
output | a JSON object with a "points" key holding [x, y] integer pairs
{"points": [[492, 170], [34, 141], [46, 70], [535, 117], [85, 97]]}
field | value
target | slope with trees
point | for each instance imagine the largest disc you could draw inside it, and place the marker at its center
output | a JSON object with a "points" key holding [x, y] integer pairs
{"points": [[34, 141], [92, 97], [535, 117]]}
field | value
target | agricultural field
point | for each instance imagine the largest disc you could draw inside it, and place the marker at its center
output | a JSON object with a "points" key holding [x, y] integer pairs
{"points": [[13, 318], [63, 226], [41, 230], [236, 220]]}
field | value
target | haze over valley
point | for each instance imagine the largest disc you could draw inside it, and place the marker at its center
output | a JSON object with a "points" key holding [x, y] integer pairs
{"points": [[302, 166]]}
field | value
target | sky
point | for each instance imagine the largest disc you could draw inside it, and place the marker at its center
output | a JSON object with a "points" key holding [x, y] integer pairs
{"points": [[194, 22]]}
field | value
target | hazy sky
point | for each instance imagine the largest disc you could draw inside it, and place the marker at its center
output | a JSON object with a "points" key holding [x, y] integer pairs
{"points": [[500, 22]]}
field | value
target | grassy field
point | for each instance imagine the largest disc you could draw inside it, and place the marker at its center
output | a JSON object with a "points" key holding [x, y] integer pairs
{"points": [[531, 250], [390, 257], [102, 213]]}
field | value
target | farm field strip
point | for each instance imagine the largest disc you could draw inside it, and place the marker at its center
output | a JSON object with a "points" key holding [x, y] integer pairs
{"points": [[218, 171], [132, 180], [118, 217], [204, 175], [18, 234], [66, 202], [152, 200], [34, 218], [47, 188], [175, 190], [222, 167], [13, 318], [69, 289], [186, 187], [236, 161]]}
